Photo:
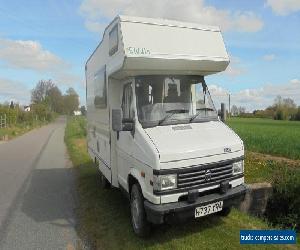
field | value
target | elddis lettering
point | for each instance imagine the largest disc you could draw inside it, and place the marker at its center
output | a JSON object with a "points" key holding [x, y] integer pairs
{"points": [[138, 51]]}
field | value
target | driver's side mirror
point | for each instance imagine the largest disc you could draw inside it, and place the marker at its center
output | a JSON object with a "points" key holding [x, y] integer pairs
{"points": [[120, 124], [116, 118]]}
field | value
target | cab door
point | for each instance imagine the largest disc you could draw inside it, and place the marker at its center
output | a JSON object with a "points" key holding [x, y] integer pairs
{"points": [[125, 142]]}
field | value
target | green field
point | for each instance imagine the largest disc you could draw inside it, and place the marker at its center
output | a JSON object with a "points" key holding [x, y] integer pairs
{"points": [[280, 138], [104, 215]]}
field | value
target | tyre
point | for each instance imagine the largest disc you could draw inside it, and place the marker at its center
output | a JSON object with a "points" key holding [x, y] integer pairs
{"points": [[139, 221], [225, 211], [104, 183]]}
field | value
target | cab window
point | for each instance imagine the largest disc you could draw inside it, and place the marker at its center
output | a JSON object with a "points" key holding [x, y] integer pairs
{"points": [[127, 106]]}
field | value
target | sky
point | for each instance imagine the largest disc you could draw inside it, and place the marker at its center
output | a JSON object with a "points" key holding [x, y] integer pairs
{"points": [[52, 39]]}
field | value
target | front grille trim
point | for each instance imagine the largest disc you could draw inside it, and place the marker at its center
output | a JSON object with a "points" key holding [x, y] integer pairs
{"points": [[216, 173], [185, 179], [197, 172]]}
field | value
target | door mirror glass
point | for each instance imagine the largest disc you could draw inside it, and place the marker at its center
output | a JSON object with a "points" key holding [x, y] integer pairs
{"points": [[128, 124], [119, 123], [117, 119]]}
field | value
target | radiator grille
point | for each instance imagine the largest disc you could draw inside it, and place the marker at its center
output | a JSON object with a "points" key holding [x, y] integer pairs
{"points": [[208, 175]]}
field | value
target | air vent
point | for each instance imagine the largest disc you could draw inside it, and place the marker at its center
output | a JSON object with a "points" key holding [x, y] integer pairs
{"points": [[184, 127]]}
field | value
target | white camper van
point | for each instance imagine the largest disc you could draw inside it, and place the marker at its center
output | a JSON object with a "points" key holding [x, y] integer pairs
{"points": [[153, 129]]}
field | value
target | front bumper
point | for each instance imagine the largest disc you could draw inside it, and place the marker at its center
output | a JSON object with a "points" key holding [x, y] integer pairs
{"points": [[158, 214]]}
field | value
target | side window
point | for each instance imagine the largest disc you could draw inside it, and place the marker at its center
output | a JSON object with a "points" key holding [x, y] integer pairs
{"points": [[127, 101], [90, 94], [100, 89], [113, 40]]}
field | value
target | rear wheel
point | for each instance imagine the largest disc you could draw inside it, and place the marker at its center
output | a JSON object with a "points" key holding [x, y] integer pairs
{"points": [[138, 215]]}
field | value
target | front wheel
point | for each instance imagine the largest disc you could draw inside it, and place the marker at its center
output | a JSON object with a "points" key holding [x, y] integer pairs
{"points": [[225, 211], [138, 215]]}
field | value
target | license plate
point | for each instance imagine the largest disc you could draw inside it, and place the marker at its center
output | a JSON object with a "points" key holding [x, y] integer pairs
{"points": [[208, 209]]}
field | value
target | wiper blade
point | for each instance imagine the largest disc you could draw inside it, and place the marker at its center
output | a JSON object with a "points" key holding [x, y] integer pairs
{"points": [[198, 113], [165, 118]]}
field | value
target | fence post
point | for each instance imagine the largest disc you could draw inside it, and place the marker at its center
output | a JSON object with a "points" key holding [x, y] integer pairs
{"points": [[223, 112], [3, 121]]}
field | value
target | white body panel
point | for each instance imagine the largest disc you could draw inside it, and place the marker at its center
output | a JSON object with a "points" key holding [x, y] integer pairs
{"points": [[188, 48], [148, 47], [195, 140]]}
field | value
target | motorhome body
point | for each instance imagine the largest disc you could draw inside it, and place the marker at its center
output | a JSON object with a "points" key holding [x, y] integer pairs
{"points": [[152, 126]]}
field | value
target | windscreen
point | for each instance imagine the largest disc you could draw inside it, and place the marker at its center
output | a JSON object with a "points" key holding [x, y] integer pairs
{"points": [[165, 100]]}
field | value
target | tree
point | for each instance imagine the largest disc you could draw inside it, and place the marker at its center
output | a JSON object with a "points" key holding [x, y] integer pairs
{"points": [[39, 93], [41, 112], [242, 110], [234, 110], [71, 91], [277, 101], [284, 108], [289, 103], [54, 99], [71, 101]]}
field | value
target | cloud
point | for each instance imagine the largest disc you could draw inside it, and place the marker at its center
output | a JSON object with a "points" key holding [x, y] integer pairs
{"points": [[98, 13], [218, 95], [216, 90], [235, 68], [30, 55], [295, 81], [13, 91], [95, 26], [269, 57], [257, 98], [284, 7]]}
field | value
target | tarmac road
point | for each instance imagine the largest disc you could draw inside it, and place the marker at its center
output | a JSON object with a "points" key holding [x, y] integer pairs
{"points": [[37, 195]]}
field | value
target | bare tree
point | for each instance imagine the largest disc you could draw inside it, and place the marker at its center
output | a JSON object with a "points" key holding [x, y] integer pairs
{"points": [[242, 110], [39, 93], [234, 110], [284, 108]]}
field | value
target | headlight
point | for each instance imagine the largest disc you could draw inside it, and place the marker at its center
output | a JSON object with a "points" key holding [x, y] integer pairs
{"points": [[238, 167], [164, 182]]}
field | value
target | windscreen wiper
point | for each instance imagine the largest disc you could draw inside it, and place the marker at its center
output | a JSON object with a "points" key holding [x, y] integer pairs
{"points": [[198, 113], [166, 117]]}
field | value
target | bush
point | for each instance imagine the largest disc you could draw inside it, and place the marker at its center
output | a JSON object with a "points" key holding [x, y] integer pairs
{"points": [[283, 208], [17, 117]]}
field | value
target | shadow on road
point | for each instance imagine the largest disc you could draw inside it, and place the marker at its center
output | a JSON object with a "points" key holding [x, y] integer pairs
{"points": [[50, 197]]}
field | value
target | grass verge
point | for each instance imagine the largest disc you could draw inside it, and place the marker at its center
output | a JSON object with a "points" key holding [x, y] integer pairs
{"points": [[280, 138], [18, 130], [260, 168], [104, 216]]}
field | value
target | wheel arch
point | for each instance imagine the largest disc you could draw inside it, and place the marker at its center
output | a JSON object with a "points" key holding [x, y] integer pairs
{"points": [[135, 177]]}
